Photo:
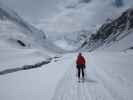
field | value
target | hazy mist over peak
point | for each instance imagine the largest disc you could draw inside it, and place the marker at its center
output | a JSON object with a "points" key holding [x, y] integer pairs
{"points": [[66, 49], [77, 15], [33, 10], [57, 17]]}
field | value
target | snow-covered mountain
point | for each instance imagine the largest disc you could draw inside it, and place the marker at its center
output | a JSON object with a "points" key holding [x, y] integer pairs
{"points": [[77, 15], [85, 24], [14, 30], [110, 33], [74, 27], [80, 19]]}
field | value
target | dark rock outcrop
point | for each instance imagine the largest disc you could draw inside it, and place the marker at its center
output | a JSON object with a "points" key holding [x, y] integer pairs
{"points": [[109, 32]]}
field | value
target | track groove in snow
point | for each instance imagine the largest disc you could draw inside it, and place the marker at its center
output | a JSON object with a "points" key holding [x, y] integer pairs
{"points": [[92, 89], [25, 67], [109, 77]]}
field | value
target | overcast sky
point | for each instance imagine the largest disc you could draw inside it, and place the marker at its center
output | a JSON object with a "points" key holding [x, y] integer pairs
{"points": [[33, 10]]}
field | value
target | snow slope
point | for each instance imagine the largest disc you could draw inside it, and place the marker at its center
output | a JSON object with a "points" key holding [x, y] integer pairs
{"points": [[12, 57], [109, 78], [120, 45], [17, 33], [79, 15], [31, 84], [13, 27], [16, 56], [108, 74]]}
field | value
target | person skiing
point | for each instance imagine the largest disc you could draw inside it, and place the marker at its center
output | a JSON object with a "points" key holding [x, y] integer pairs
{"points": [[81, 66]]}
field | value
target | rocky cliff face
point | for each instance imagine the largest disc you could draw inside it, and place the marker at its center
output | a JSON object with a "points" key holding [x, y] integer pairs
{"points": [[111, 31]]}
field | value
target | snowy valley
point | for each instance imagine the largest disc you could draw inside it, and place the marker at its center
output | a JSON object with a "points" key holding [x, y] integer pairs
{"points": [[40, 63]]}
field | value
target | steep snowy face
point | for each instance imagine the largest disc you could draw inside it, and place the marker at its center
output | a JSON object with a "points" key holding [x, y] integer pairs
{"points": [[80, 15], [15, 31], [118, 30]]}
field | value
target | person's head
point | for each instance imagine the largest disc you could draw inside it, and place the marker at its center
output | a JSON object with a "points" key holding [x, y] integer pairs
{"points": [[80, 54]]}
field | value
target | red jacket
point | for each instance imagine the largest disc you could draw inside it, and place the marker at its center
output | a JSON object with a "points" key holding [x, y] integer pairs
{"points": [[80, 60]]}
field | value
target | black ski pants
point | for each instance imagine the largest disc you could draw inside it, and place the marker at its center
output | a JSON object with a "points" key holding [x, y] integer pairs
{"points": [[81, 70]]}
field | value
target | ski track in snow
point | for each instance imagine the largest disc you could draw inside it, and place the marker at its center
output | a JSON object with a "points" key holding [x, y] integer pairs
{"points": [[109, 77], [99, 85]]}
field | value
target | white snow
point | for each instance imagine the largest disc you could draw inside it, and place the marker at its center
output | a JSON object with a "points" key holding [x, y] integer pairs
{"points": [[76, 16], [65, 45], [12, 58], [122, 44], [10, 32], [108, 71], [109, 77]]}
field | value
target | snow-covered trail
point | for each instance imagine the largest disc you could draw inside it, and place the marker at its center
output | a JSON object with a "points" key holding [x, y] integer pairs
{"points": [[99, 83], [91, 89], [109, 77]]}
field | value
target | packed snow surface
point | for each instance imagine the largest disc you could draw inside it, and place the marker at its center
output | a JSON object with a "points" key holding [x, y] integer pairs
{"points": [[108, 77]]}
